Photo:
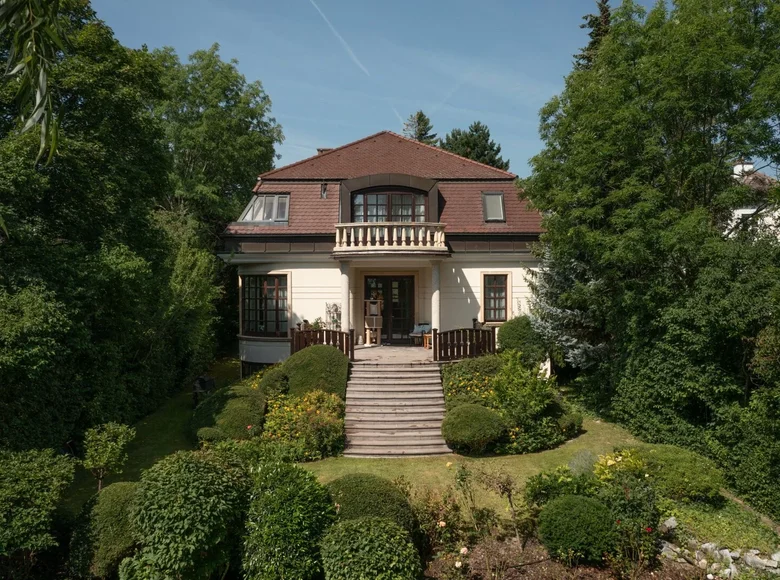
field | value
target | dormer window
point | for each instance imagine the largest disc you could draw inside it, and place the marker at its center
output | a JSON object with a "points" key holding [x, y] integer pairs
{"points": [[273, 208], [493, 206]]}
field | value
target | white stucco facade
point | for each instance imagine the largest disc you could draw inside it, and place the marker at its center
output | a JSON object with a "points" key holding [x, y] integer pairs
{"points": [[315, 281]]}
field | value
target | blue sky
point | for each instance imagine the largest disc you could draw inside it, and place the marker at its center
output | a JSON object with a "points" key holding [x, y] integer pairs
{"points": [[338, 70]]}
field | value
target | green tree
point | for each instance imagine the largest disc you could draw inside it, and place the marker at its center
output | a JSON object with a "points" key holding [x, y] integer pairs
{"points": [[418, 127], [106, 449], [598, 27], [475, 143], [641, 287]]}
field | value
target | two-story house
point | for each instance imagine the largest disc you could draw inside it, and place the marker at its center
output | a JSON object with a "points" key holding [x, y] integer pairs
{"points": [[416, 233]]}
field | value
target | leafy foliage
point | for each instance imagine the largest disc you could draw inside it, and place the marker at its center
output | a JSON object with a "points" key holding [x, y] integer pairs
{"points": [[359, 495], [187, 512], [646, 286], [472, 428], [232, 412], [518, 334], [288, 514], [598, 26], [106, 449], [577, 529], [475, 143], [31, 485], [469, 380], [682, 475], [369, 548], [548, 485], [317, 368], [316, 420], [419, 127]]}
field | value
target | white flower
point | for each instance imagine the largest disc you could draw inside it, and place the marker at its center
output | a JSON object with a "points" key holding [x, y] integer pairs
{"points": [[647, 475], [464, 550], [458, 564], [449, 464], [442, 524]]}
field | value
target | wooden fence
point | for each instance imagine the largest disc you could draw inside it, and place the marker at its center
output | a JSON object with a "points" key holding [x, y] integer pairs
{"points": [[463, 343], [344, 341]]}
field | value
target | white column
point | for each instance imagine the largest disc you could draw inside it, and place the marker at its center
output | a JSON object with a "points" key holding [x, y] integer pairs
{"points": [[435, 297], [345, 308]]}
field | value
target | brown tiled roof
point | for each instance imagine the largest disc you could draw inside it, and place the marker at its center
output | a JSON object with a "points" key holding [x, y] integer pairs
{"points": [[309, 213], [386, 152], [463, 212], [758, 181]]}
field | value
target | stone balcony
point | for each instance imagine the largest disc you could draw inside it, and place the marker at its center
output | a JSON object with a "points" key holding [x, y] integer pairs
{"points": [[390, 238]]}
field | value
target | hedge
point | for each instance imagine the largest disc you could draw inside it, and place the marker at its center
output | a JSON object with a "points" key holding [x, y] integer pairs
{"points": [[471, 428], [518, 334], [681, 474], [360, 495], [234, 412], [317, 368], [577, 529]]}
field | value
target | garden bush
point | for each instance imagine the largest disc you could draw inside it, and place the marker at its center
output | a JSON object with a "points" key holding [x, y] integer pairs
{"points": [[359, 495], [374, 548], [31, 486], [273, 381], [577, 529], [519, 335], [681, 474], [313, 423], [317, 368], [544, 487], [234, 412], [103, 537], [470, 380], [472, 428], [187, 516], [570, 424], [288, 514]]}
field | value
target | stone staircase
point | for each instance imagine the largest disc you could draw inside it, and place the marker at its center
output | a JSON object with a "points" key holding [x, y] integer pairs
{"points": [[394, 409]]}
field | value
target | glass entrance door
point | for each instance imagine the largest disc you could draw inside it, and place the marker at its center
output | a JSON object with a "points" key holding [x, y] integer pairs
{"points": [[397, 296]]}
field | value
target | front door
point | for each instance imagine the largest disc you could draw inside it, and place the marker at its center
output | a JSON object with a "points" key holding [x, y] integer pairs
{"points": [[397, 295]]}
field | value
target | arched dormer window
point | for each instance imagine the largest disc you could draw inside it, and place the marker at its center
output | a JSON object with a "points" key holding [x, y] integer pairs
{"points": [[389, 205]]}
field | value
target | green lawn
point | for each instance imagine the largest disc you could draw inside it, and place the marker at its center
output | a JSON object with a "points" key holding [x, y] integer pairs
{"points": [[599, 437], [163, 432]]}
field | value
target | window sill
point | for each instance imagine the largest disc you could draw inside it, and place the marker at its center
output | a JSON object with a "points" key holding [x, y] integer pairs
{"points": [[264, 338]]}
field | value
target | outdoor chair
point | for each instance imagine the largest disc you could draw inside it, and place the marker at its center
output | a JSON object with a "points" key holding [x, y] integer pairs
{"points": [[416, 335]]}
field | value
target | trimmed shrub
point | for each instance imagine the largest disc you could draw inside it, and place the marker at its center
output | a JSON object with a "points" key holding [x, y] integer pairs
{"points": [[249, 453], [544, 487], [469, 381], [359, 495], [273, 381], [375, 548], [577, 529], [31, 485], [570, 424], [681, 474], [313, 422], [103, 537], [234, 412], [187, 516], [519, 335], [471, 428], [317, 368], [288, 514]]}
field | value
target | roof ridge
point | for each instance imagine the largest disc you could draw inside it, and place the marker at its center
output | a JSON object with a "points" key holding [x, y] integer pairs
{"points": [[404, 137], [321, 155]]}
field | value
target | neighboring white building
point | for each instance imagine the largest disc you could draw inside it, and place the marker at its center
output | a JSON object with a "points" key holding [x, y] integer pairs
{"points": [[766, 213], [409, 231]]}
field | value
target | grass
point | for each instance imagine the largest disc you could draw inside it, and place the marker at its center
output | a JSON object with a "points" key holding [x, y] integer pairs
{"points": [[599, 437], [159, 434]]}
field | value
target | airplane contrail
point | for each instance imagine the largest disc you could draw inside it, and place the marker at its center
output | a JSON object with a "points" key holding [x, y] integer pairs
{"points": [[343, 42]]}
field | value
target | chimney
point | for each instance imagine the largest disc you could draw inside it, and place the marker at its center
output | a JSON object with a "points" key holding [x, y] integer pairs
{"points": [[743, 167], [321, 150]]}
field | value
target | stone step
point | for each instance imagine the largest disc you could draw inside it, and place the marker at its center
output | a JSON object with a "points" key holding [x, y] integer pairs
{"points": [[379, 451], [397, 373], [396, 441], [393, 424], [367, 408], [394, 396], [394, 383], [411, 366], [393, 389], [355, 433]]}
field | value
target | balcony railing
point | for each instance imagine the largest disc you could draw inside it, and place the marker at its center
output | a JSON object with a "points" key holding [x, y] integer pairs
{"points": [[390, 236]]}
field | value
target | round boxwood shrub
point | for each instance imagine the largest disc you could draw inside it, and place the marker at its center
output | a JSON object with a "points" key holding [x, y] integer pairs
{"points": [[359, 495], [682, 474], [188, 514], [274, 381], [577, 529], [518, 334], [375, 548], [471, 428], [112, 531], [288, 514], [234, 412], [317, 368]]}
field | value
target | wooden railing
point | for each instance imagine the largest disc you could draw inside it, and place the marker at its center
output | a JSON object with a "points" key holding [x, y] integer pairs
{"points": [[463, 343], [344, 341], [390, 236]]}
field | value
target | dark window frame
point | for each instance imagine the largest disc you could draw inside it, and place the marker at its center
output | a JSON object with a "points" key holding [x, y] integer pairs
{"points": [[491, 283], [500, 195], [418, 200], [255, 308]]}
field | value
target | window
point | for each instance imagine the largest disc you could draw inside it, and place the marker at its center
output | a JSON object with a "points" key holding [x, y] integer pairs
{"points": [[264, 305], [493, 206], [495, 297], [394, 207], [268, 208]]}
